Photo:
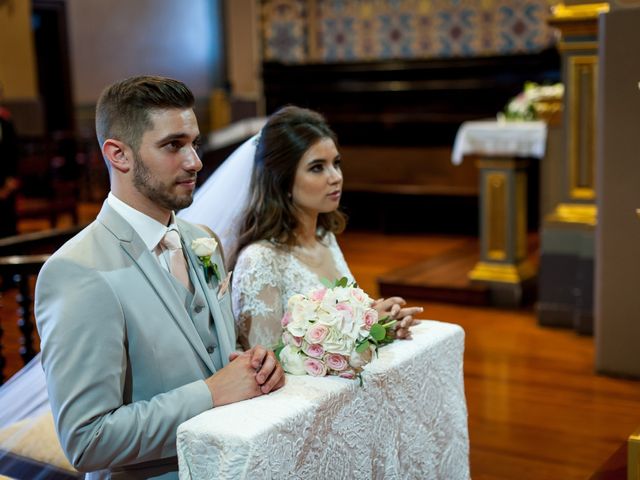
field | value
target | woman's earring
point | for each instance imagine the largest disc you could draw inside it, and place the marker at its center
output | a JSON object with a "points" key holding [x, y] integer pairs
{"points": [[289, 195]]}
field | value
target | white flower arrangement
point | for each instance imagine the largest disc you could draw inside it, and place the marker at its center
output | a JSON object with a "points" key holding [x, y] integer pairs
{"points": [[332, 331], [527, 104]]}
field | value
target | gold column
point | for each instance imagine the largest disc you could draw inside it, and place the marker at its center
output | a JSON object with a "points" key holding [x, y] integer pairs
{"points": [[567, 236], [633, 456], [578, 27], [503, 224]]}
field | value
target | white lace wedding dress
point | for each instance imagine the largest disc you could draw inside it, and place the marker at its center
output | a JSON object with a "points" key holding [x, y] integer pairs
{"points": [[264, 278]]}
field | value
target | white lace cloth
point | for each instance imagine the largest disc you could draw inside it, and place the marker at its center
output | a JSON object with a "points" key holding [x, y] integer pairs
{"points": [[264, 278], [408, 421], [517, 139]]}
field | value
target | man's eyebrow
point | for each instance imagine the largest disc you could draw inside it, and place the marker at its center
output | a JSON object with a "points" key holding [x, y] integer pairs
{"points": [[177, 136]]}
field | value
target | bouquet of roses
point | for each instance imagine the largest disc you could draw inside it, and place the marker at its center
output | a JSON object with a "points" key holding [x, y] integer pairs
{"points": [[332, 331]]}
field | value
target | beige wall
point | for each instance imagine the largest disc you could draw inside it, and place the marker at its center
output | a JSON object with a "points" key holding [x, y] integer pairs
{"points": [[17, 59], [111, 40], [243, 52]]}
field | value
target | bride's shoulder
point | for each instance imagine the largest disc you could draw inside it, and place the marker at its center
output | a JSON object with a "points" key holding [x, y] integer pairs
{"points": [[260, 252], [330, 240]]}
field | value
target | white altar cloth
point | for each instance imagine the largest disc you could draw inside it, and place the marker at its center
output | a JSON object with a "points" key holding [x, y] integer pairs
{"points": [[514, 139], [409, 420]]}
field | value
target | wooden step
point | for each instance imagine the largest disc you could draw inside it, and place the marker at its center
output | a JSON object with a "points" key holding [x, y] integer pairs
{"points": [[444, 277]]}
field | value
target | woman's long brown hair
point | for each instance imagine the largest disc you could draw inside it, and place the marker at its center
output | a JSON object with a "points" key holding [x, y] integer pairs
{"points": [[270, 213]]}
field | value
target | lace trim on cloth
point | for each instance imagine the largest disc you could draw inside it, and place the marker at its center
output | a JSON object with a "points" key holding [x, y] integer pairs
{"points": [[264, 278]]}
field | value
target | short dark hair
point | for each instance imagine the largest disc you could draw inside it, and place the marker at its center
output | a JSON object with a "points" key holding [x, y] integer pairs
{"points": [[123, 109], [270, 214]]}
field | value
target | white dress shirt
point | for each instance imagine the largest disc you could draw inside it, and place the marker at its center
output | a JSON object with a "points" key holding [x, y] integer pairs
{"points": [[150, 230]]}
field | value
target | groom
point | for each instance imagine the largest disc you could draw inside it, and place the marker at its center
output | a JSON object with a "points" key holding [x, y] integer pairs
{"points": [[136, 337]]}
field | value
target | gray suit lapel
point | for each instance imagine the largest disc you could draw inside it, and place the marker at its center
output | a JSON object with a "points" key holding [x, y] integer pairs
{"points": [[225, 324], [149, 267]]}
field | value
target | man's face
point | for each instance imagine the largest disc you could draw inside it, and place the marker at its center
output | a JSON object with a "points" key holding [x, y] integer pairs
{"points": [[166, 164]]}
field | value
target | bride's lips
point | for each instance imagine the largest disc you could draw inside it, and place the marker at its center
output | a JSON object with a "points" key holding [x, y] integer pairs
{"points": [[335, 195]]}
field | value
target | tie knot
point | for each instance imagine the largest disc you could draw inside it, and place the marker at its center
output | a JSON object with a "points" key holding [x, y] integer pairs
{"points": [[171, 240]]}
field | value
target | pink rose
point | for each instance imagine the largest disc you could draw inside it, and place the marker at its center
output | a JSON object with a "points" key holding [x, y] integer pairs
{"points": [[350, 374], [313, 350], [336, 362], [289, 339], [359, 295], [318, 295], [317, 333], [286, 319], [370, 318], [345, 308], [315, 367]]}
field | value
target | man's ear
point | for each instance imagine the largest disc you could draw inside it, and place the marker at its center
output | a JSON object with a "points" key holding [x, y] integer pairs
{"points": [[118, 154]]}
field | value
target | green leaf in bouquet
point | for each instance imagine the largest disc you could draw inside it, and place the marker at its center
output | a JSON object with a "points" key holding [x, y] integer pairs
{"points": [[387, 325], [343, 282], [278, 348], [377, 332], [362, 347], [326, 282]]}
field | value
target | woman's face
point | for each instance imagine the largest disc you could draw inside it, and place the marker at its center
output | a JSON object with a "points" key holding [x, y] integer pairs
{"points": [[317, 185]]}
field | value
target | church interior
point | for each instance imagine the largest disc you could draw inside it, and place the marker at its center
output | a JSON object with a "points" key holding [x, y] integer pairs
{"points": [[519, 227]]}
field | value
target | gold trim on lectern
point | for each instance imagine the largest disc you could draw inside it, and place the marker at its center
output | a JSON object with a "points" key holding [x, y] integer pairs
{"points": [[502, 273], [633, 456], [496, 215], [574, 213]]}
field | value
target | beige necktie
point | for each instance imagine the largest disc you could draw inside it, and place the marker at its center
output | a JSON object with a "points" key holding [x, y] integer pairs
{"points": [[177, 262]]}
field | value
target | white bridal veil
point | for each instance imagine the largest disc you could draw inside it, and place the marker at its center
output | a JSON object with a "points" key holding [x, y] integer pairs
{"points": [[220, 201]]}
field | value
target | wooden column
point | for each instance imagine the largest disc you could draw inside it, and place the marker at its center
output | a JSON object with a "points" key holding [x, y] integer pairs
{"points": [[565, 287], [503, 229]]}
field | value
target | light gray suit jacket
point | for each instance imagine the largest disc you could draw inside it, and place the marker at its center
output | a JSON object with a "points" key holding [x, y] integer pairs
{"points": [[123, 360]]}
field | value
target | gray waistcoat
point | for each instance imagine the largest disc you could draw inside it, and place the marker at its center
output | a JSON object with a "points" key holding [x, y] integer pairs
{"points": [[198, 309]]}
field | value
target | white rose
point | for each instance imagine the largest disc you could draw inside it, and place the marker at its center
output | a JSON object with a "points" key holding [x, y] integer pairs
{"points": [[292, 361], [359, 360], [295, 300], [335, 342], [328, 316], [204, 246]]}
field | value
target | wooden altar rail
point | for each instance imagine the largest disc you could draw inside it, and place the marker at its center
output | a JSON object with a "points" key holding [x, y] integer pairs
{"points": [[21, 258]]}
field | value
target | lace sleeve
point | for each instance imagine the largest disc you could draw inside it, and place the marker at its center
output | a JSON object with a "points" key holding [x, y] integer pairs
{"points": [[257, 296]]}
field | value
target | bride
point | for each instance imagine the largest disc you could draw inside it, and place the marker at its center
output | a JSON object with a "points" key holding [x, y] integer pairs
{"points": [[284, 242]]}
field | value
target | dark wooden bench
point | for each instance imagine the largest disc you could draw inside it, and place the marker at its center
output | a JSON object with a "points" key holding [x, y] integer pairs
{"points": [[21, 258], [397, 120]]}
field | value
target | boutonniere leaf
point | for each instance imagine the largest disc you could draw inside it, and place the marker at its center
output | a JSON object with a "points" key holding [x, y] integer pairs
{"points": [[204, 248]]}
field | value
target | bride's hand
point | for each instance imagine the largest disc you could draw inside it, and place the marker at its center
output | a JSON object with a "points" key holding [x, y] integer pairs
{"points": [[394, 308]]}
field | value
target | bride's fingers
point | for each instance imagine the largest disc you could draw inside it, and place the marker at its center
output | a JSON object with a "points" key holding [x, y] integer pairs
{"points": [[403, 333], [409, 311], [397, 300]]}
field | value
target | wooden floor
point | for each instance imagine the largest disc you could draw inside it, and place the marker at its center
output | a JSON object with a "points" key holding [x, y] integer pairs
{"points": [[536, 409]]}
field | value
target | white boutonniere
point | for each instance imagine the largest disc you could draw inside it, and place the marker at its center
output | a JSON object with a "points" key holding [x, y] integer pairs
{"points": [[204, 247]]}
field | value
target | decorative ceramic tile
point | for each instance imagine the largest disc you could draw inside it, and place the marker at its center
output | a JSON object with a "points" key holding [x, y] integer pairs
{"points": [[284, 30], [359, 30]]}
